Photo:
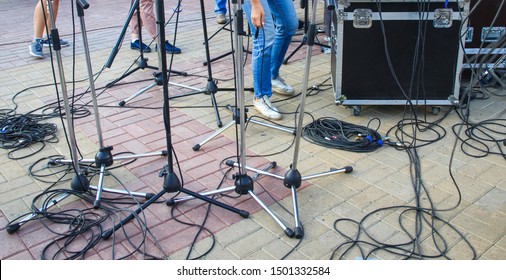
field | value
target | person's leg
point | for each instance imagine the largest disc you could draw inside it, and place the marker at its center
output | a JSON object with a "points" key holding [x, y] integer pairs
{"points": [[262, 50], [148, 17], [136, 29], [149, 21], [261, 62], [35, 47], [42, 21], [54, 4], [286, 22], [220, 10], [220, 7], [39, 20], [134, 26]]}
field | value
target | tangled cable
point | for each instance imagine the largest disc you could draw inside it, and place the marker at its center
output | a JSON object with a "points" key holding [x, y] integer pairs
{"points": [[21, 131], [333, 133], [480, 139]]}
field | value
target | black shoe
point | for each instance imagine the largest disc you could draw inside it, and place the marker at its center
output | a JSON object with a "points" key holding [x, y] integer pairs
{"points": [[171, 49], [137, 46]]}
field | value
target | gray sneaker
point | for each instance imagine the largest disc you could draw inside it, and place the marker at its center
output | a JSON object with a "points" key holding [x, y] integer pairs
{"points": [[36, 49], [279, 86], [265, 107]]}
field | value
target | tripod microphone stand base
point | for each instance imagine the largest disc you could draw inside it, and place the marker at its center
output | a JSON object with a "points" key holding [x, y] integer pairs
{"points": [[173, 201], [293, 180], [99, 187], [210, 89], [104, 159], [12, 228], [171, 184], [142, 64], [235, 120], [115, 158], [243, 185], [346, 169]]}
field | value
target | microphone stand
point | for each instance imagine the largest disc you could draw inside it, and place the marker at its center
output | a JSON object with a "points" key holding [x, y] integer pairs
{"points": [[103, 158], [292, 178], [171, 182]]}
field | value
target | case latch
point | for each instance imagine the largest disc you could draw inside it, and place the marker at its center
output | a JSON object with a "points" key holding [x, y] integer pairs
{"points": [[492, 34], [362, 18], [443, 18]]}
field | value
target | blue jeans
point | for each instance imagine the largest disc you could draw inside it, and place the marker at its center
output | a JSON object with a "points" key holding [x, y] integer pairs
{"points": [[269, 48], [220, 7]]}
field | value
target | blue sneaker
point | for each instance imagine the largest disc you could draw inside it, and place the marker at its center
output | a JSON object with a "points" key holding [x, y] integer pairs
{"points": [[48, 41], [171, 49], [36, 48], [137, 46]]}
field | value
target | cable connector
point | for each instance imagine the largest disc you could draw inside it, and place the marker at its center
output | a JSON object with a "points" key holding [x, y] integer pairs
{"points": [[380, 142]]}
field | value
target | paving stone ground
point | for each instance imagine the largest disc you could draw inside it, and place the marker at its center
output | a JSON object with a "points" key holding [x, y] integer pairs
{"points": [[468, 193]]}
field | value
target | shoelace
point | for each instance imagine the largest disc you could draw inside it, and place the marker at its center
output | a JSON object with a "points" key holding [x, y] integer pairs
{"points": [[38, 47]]}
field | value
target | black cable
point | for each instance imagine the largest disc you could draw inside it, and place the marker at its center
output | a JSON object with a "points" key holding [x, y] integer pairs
{"points": [[332, 133], [480, 139], [19, 132], [414, 220]]}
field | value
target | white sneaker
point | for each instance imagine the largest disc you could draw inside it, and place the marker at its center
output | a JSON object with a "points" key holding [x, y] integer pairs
{"points": [[221, 19], [279, 86], [265, 107]]}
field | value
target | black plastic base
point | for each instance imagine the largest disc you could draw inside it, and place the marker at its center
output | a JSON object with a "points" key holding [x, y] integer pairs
{"points": [[12, 228], [80, 183], [196, 147], [171, 182], [243, 183], [142, 63], [104, 157], [299, 232], [107, 234], [211, 87], [292, 179], [289, 233], [170, 202], [243, 213]]}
